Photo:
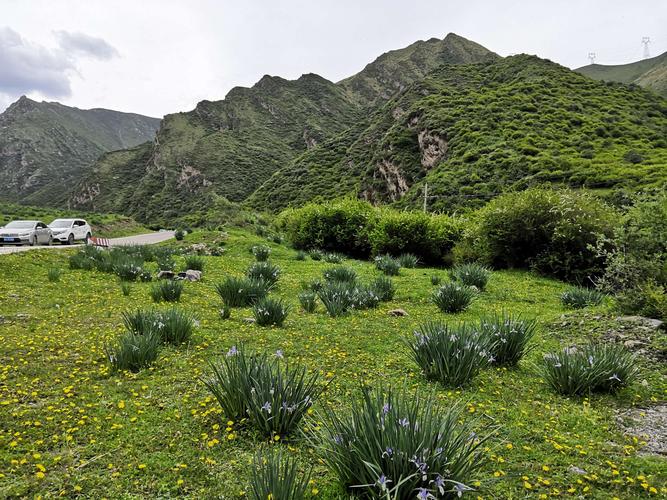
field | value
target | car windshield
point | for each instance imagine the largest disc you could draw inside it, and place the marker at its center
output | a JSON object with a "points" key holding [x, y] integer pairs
{"points": [[61, 223], [20, 224]]}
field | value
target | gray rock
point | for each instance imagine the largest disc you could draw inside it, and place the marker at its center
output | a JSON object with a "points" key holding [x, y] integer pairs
{"points": [[165, 275], [249, 320], [633, 344], [650, 322], [192, 275], [397, 312], [576, 470]]}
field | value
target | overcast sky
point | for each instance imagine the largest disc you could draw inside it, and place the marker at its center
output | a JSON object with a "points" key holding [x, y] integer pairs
{"points": [[162, 56]]}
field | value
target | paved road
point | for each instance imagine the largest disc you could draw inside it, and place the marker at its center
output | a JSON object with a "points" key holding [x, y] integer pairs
{"points": [[139, 239]]}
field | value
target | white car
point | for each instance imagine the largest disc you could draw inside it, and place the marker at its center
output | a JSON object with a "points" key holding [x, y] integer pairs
{"points": [[70, 230], [25, 232]]}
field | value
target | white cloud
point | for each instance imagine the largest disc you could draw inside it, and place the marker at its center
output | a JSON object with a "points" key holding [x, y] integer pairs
{"points": [[80, 44]]}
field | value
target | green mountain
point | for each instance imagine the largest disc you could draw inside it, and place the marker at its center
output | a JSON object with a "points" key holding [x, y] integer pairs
{"points": [[227, 149], [474, 131], [45, 146], [648, 73]]}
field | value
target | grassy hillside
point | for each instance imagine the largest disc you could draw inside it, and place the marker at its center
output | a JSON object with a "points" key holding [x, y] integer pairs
{"points": [[46, 147], [474, 131], [106, 225], [69, 427], [227, 149], [648, 73]]}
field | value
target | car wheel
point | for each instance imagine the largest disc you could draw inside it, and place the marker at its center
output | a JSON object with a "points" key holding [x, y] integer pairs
{"points": [[70, 239], [48, 241], [33, 241]]}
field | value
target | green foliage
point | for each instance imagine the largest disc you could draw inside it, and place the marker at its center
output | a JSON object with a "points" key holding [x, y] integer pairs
{"points": [[172, 326], [333, 258], [593, 368], [276, 476], [408, 260], [241, 292], [648, 300], [264, 271], [126, 262], [453, 298], [551, 231], [509, 336], [54, 274], [179, 234], [394, 445], [471, 274], [340, 274], [387, 264], [261, 252], [167, 291], [132, 351], [270, 312], [435, 280], [125, 288], [338, 297], [384, 288], [451, 356], [300, 255], [578, 297], [275, 397], [225, 312], [194, 262], [316, 254], [308, 301]]}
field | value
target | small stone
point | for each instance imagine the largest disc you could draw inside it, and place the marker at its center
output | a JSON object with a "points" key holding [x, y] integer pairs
{"points": [[633, 344], [397, 312], [576, 470], [165, 275], [22, 316], [249, 320], [649, 322], [192, 275]]}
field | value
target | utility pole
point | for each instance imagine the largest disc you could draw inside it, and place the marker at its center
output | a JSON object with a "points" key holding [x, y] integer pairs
{"points": [[591, 57], [645, 41], [425, 195]]}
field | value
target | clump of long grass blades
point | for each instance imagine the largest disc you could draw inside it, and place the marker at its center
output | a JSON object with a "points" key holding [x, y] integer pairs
{"points": [[167, 291], [316, 254], [300, 255], [387, 264], [275, 475], [242, 292], [125, 288], [510, 336], [270, 312], [578, 297], [132, 351], [471, 274], [274, 395], [338, 297], [173, 326], [308, 301], [395, 445], [408, 260], [340, 274], [194, 262], [53, 274], [435, 280], [384, 288], [333, 258], [452, 356], [261, 252], [453, 297], [264, 271], [593, 368]]}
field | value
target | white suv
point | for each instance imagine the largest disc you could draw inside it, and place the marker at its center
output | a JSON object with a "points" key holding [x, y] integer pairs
{"points": [[69, 230]]}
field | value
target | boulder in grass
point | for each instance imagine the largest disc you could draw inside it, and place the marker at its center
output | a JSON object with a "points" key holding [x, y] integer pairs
{"points": [[165, 275], [397, 312], [192, 275]]}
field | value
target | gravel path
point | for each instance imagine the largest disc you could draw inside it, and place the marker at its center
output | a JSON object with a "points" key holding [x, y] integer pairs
{"points": [[139, 239]]}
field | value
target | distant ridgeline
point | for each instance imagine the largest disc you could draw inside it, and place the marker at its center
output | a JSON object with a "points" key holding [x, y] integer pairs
{"points": [[448, 113]]}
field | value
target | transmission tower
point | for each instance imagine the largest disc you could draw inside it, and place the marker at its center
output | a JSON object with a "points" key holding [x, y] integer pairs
{"points": [[591, 57], [645, 41]]}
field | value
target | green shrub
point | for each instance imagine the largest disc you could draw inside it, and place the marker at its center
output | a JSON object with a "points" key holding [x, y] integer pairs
{"points": [[131, 272], [408, 260], [132, 351], [578, 297], [471, 274], [268, 311], [241, 292], [333, 258], [648, 300], [553, 232], [264, 271], [275, 476], [435, 280], [261, 252], [172, 326], [338, 297], [387, 264], [125, 288], [340, 274], [167, 291], [54, 274], [225, 312], [81, 261], [451, 356], [400, 446], [166, 262], [316, 254], [384, 288], [194, 262], [509, 336], [275, 398], [453, 298], [300, 255], [308, 301], [179, 234], [594, 368]]}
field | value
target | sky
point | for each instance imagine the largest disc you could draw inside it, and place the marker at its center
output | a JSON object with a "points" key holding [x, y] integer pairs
{"points": [[156, 57]]}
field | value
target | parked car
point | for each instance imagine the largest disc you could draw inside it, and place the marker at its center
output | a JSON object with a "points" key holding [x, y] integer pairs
{"points": [[25, 232], [69, 230]]}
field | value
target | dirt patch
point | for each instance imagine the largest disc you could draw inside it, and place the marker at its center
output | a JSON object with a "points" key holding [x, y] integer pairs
{"points": [[649, 425]]}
